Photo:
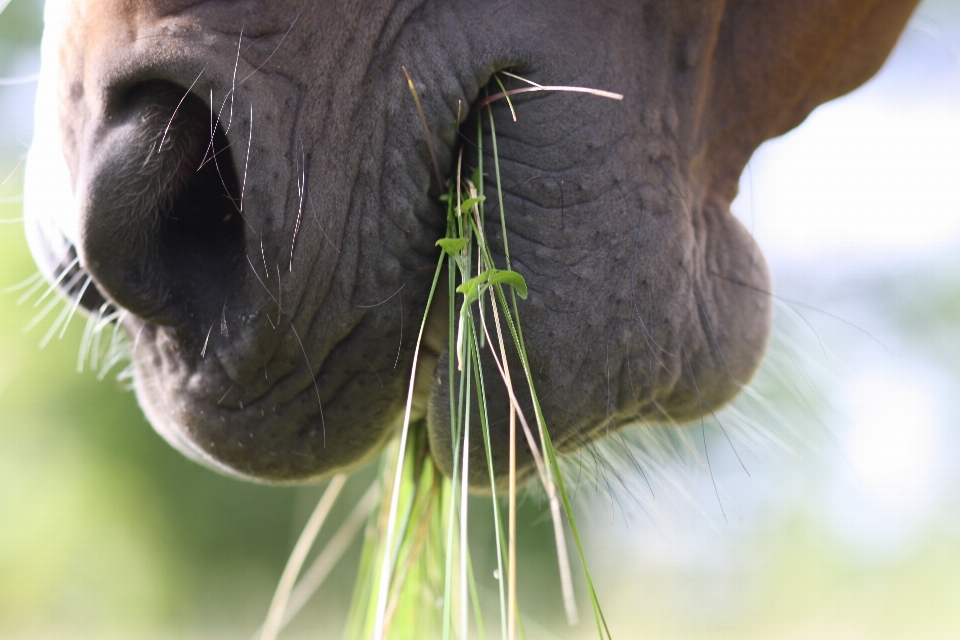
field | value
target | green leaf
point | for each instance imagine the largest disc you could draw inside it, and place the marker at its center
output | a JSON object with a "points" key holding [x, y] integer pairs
{"points": [[469, 202], [453, 246], [511, 278], [471, 288]]}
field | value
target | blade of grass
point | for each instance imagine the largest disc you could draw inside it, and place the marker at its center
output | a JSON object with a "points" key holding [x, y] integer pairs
{"points": [[518, 340], [507, 96], [387, 566], [271, 626], [464, 514], [314, 576], [475, 599]]}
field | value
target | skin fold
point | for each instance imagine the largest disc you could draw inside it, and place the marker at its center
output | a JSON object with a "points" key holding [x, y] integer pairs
{"points": [[251, 183]]}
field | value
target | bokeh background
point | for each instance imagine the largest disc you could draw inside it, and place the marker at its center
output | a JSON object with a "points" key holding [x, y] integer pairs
{"points": [[830, 507]]}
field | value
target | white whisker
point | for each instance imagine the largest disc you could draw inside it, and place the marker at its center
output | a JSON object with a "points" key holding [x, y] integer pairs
{"points": [[56, 325], [279, 44], [43, 314], [53, 286], [302, 187], [76, 304], [21, 285], [167, 130], [203, 352], [85, 342], [246, 162], [95, 347], [233, 86], [32, 290]]}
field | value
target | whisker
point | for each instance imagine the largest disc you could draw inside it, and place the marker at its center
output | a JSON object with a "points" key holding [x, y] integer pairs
{"points": [[371, 306], [317, 218], [95, 347], [297, 17], [207, 160], [76, 304], [233, 87], [302, 187], [13, 171], [136, 341], [32, 290], [279, 297], [116, 350], [246, 162], [213, 127], [316, 388], [374, 371], [25, 283], [56, 325], [167, 130], [107, 320], [43, 314], [203, 352], [224, 397], [85, 342], [269, 293], [53, 286], [263, 256]]}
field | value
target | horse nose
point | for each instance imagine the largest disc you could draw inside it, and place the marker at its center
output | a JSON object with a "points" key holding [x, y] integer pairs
{"points": [[161, 231]]}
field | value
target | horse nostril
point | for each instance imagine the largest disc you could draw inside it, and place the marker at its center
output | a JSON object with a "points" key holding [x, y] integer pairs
{"points": [[160, 231]]}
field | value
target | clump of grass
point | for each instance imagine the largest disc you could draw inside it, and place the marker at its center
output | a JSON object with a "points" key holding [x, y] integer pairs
{"points": [[415, 578]]}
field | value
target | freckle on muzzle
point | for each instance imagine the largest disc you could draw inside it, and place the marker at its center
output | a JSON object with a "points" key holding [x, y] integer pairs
{"points": [[161, 231]]}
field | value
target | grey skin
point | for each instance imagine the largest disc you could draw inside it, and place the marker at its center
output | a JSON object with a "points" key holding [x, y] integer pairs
{"points": [[648, 301]]}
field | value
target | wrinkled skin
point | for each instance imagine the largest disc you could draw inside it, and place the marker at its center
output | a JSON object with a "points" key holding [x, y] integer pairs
{"points": [[274, 293]]}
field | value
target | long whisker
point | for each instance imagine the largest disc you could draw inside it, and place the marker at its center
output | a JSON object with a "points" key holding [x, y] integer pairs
{"points": [[76, 305], [25, 283], [316, 387], [179, 104], [233, 87], [246, 162], [384, 301], [95, 348], [43, 314], [32, 290], [269, 293], [302, 187], [317, 218], [59, 279], [85, 342], [56, 325], [297, 17]]}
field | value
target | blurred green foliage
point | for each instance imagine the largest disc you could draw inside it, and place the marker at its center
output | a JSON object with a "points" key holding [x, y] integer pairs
{"points": [[102, 524]]}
